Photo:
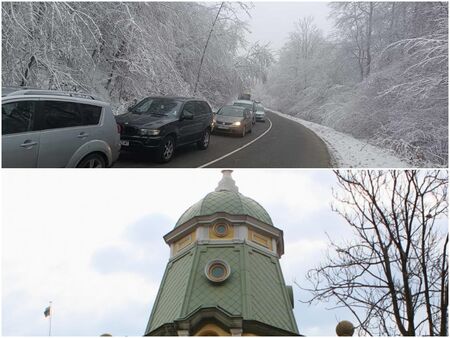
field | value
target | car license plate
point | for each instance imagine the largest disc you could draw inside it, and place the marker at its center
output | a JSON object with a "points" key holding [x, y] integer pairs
{"points": [[124, 143], [223, 127]]}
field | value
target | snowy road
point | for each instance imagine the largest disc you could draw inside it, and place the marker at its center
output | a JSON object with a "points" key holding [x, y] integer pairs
{"points": [[278, 143], [348, 152]]}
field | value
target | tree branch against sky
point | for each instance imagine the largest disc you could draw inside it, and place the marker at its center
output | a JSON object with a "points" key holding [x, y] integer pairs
{"points": [[393, 274]]}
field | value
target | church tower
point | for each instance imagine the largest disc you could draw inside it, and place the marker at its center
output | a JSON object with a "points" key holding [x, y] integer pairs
{"points": [[224, 277]]}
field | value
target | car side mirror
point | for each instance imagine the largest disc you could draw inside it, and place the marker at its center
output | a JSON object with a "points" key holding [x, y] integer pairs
{"points": [[130, 108], [186, 115]]}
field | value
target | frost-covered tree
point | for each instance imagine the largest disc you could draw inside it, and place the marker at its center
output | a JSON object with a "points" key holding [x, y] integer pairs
{"points": [[382, 76], [123, 51]]}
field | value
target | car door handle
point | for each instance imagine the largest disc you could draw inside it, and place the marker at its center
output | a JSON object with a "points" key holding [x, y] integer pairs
{"points": [[82, 135], [28, 144]]}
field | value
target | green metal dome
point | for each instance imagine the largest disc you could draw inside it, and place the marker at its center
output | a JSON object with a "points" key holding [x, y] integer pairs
{"points": [[226, 198]]}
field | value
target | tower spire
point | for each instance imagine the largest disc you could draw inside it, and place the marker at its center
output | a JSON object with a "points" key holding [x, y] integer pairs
{"points": [[227, 182]]}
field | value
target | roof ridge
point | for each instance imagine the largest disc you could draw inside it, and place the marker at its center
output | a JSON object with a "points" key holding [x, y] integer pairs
{"points": [[240, 200]]}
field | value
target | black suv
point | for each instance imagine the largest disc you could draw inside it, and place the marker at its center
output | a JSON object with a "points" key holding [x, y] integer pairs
{"points": [[163, 123]]}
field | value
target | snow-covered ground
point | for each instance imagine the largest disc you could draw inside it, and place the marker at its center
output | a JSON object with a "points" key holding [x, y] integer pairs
{"points": [[348, 152]]}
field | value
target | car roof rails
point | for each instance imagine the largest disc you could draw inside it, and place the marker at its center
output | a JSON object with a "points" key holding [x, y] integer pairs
{"points": [[49, 92]]}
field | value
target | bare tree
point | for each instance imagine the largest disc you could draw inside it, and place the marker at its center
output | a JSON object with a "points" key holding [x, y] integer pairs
{"points": [[393, 275], [355, 22], [307, 39]]}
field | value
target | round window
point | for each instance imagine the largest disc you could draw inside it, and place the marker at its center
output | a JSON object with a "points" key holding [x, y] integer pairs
{"points": [[217, 271], [221, 229]]}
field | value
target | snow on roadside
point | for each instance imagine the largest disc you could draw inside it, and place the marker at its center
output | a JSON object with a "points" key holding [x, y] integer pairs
{"points": [[348, 152]]}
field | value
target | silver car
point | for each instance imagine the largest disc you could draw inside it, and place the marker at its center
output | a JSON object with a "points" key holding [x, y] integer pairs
{"points": [[50, 129], [247, 104], [260, 113]]}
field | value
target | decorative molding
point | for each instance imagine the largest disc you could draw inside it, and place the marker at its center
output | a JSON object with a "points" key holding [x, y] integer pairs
{"points": [[199, 220]]}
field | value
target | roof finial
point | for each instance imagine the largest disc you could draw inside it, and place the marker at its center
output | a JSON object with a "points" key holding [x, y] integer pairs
{"points": [[227, 182]]}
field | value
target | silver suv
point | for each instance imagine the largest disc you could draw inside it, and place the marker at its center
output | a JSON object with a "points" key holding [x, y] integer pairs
{"points": [[50, 129]]}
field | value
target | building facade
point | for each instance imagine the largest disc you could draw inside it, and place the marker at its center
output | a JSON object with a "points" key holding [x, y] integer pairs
{"points": [[224, 277]]}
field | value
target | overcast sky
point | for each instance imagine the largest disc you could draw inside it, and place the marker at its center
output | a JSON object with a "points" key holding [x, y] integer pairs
{"points": [[91, 241], [273, 21]]}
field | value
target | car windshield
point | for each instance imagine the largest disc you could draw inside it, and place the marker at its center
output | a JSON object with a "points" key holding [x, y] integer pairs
{"points": [[157, 106], [231, 111], [243, 104], [259, 107]]}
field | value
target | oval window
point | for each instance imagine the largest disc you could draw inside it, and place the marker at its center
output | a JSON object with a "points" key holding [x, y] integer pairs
{"points": [[217, 271]]}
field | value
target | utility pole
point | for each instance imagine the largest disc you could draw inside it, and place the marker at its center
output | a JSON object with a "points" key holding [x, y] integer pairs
{"points": [[206, 46]]}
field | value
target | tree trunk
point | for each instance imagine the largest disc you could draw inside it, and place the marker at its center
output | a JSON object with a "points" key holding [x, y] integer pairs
{"points": [[369, 39], [30, 65]]}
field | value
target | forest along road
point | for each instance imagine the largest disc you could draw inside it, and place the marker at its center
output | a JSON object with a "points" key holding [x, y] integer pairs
{"points": [[278, 143]]}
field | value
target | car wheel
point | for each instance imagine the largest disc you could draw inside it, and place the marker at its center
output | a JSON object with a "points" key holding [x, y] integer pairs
{"points": [[166, 150], [203, 143], [92, 161]]}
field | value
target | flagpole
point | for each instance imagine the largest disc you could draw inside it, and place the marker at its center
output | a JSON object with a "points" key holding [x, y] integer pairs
{"points": [[50, 322]]}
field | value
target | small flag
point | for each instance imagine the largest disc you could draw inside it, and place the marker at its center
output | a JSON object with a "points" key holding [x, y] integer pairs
{"points": [[47, 312]]}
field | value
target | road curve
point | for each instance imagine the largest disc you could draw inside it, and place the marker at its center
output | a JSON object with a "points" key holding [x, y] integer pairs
{"points": [[286, 145]]}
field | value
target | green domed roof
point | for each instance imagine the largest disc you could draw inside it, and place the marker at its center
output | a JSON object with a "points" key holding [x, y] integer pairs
{"points": [[230, 202], [226, 198]]}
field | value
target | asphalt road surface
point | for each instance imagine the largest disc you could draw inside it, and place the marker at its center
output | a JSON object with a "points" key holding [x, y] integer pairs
{"points": [[277, 143]]}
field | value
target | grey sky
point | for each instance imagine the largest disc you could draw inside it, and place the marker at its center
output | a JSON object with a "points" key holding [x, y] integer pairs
{"points": [[92, 242], [273, 21], [100, 256]]}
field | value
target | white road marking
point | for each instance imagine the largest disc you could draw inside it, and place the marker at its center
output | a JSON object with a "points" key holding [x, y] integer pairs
{"points": [[238, 149]]}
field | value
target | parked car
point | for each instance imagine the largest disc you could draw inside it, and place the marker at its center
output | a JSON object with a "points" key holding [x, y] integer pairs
{"points": [[164, 123], [233, 119], [45, 128], [247, 104], [260, 113]]}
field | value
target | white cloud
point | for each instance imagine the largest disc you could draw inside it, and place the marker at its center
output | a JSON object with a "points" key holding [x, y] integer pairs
{"points": [[60, 228]]}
